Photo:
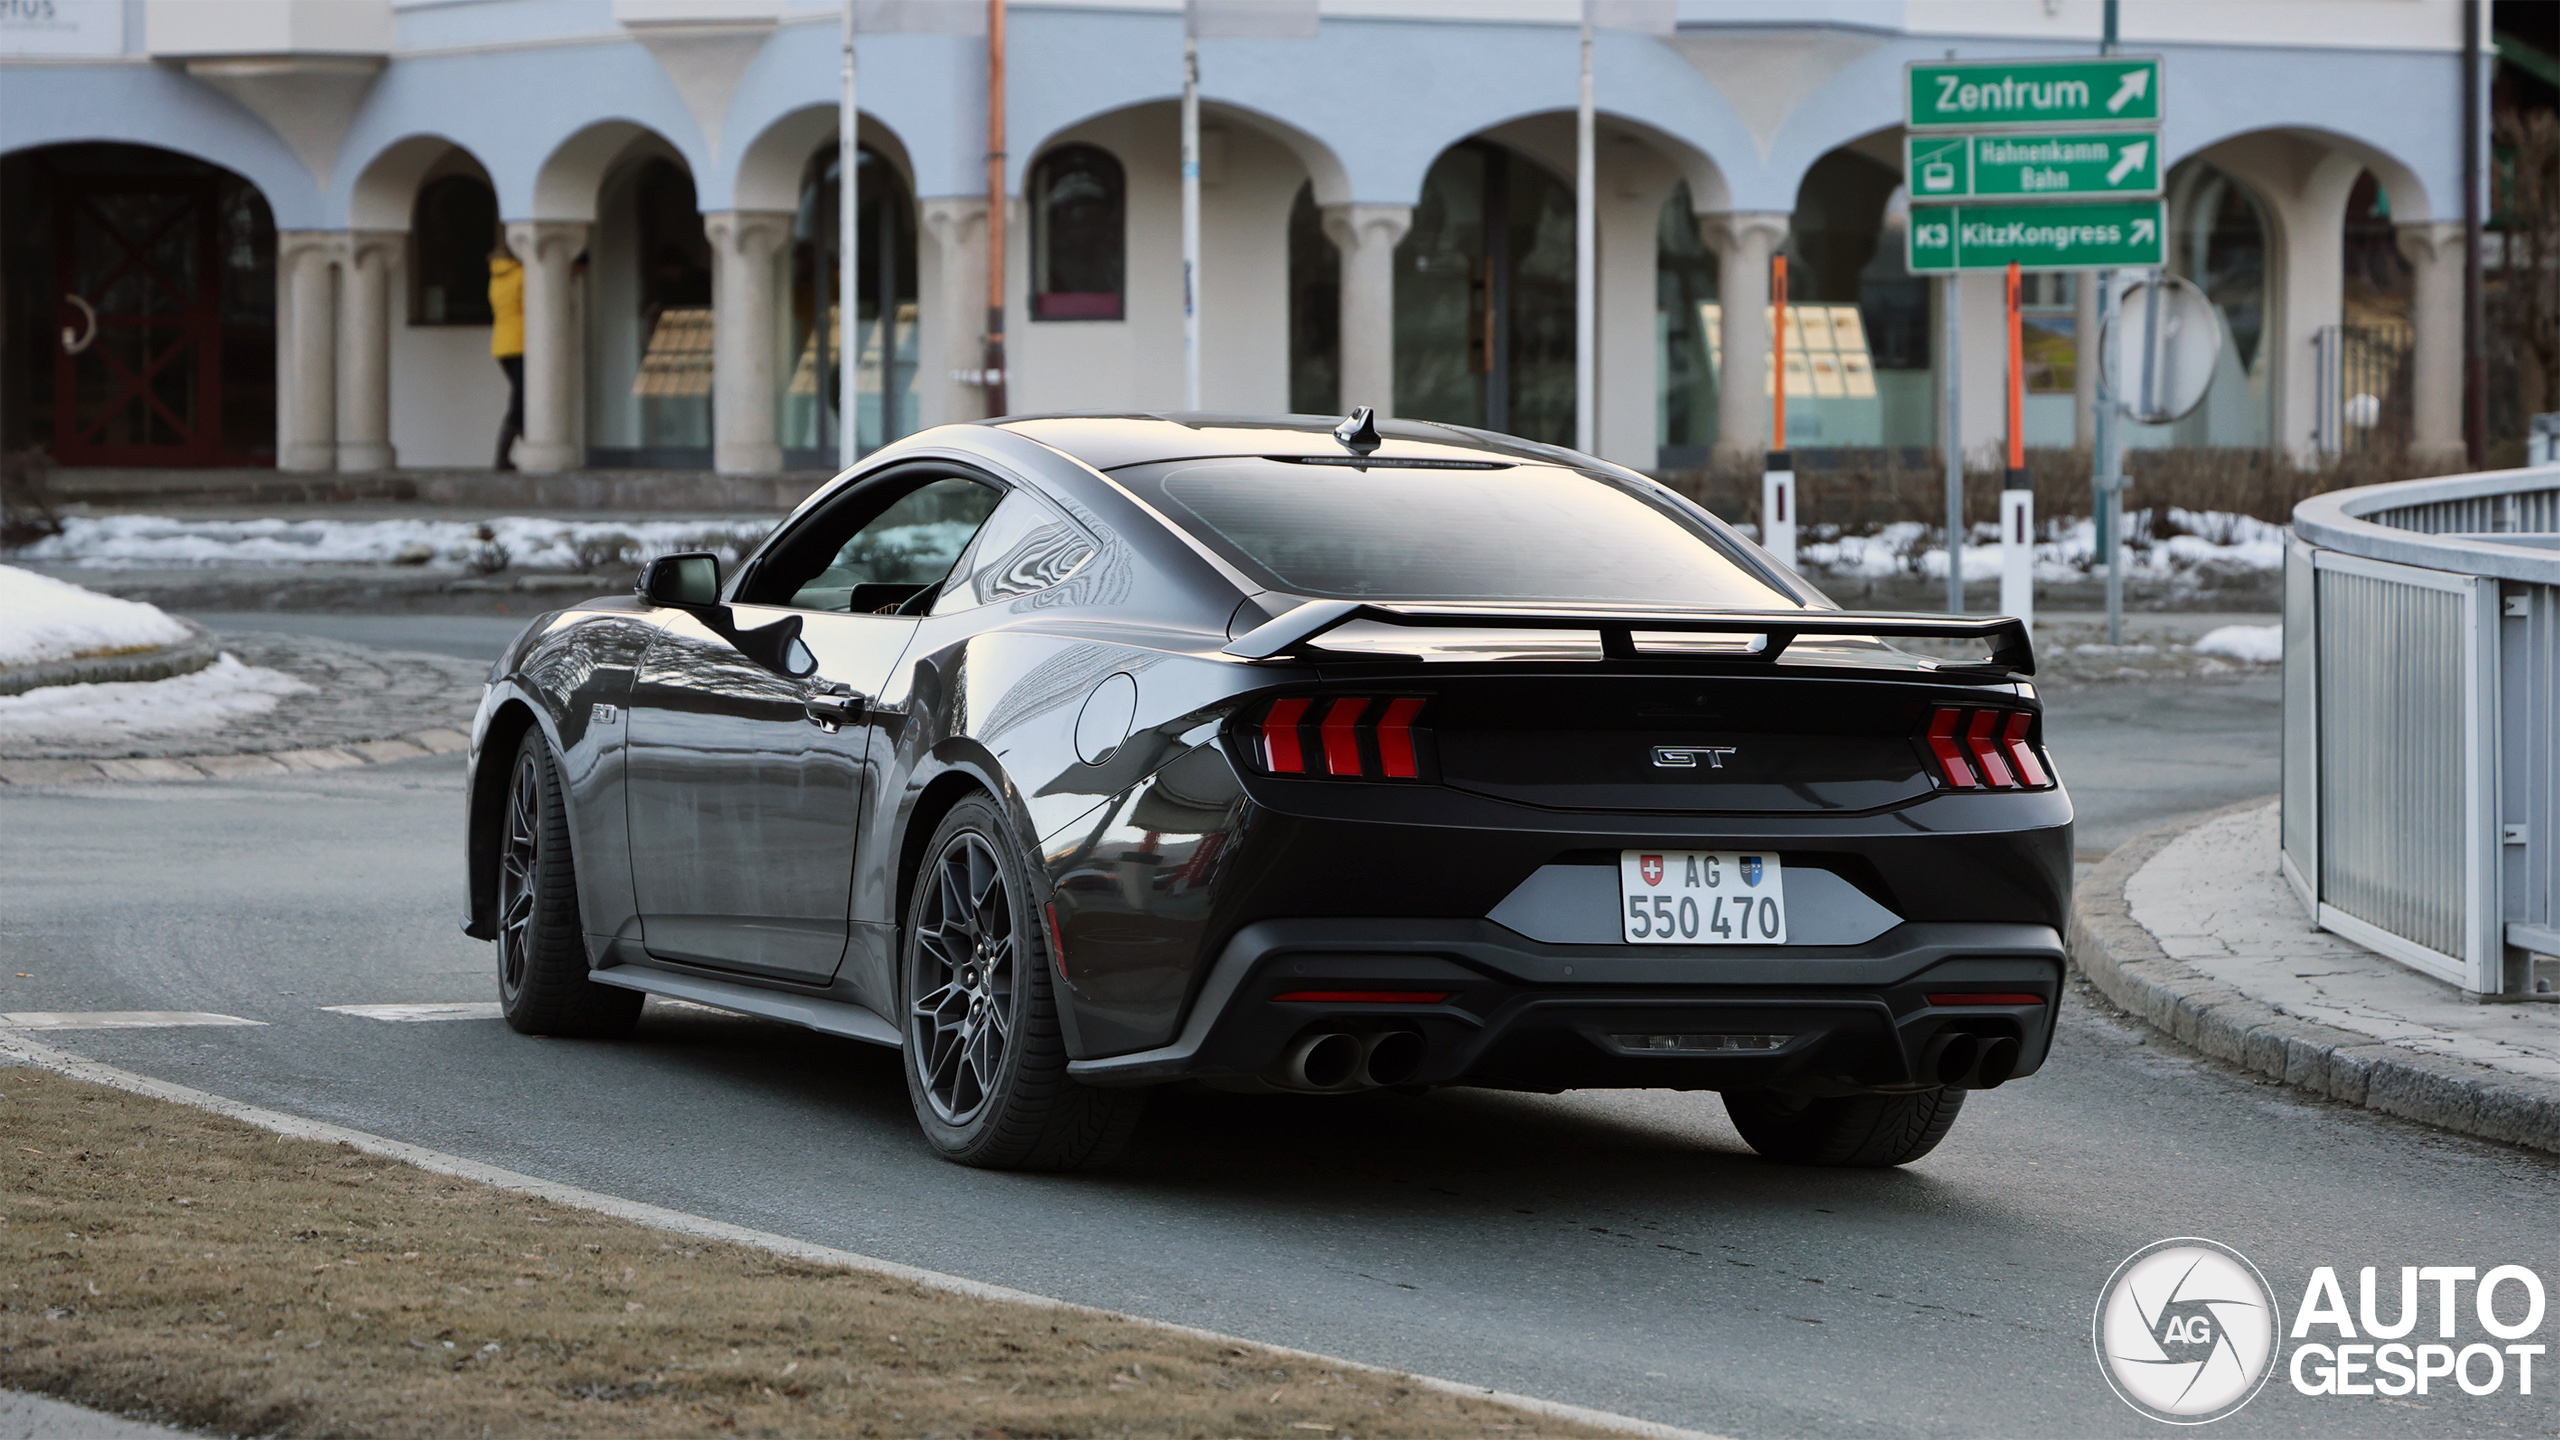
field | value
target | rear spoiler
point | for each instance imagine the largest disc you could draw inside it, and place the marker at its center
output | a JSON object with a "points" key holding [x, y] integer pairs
{"points": [[1296, 632]]}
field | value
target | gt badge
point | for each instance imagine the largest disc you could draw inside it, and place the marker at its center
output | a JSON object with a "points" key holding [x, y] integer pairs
{"points": [[1686, 757], [1651, 865]]}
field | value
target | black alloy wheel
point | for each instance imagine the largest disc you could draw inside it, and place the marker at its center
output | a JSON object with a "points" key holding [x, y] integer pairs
{"points": [[964, 936], [986, 1061], [543, 987]]}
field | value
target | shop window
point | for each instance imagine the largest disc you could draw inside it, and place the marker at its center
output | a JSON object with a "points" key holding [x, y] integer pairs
{"points": [[454, 227], [1315, 311], [1687, 341], [1079, 217]]}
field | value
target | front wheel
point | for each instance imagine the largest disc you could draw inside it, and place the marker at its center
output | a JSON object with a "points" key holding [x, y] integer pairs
{"points": [[543, 987], [1849, 1130], [986, 1065]]}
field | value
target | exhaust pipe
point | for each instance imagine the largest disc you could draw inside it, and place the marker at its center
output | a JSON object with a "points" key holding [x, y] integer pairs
{"points": [[1391, 1057], [1950, 1058], [1323, 1062], [1999, 1061]]}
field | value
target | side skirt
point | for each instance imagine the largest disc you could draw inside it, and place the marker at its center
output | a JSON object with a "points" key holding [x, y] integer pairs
{"points": [[832, 1017]]}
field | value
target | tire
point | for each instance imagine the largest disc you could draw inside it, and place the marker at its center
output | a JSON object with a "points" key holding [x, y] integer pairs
{"points": [[543, 987], [986, 1064], [1853, 1130]]}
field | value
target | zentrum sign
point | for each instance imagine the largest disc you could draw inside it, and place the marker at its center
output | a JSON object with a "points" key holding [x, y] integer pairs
{"points": [[1989, 94]]}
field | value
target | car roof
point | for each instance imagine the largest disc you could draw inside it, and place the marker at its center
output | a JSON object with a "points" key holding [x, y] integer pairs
{"points": [[1109, 441]]}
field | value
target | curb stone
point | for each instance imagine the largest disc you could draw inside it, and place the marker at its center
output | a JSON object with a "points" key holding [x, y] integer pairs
{"points": [[165, 662], [2128, 966], [414, 745]]}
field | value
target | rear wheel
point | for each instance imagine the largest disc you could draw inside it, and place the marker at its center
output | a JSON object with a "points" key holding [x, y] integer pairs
{"points": [[543, 987], [1863, 1130], [986, 1064]]}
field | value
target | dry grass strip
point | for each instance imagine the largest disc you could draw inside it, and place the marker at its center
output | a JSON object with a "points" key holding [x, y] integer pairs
{"points": [[167, 1262]]}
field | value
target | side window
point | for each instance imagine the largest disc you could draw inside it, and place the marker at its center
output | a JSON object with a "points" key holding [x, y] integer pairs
{"points": [[1024, 547], [888, 563]]}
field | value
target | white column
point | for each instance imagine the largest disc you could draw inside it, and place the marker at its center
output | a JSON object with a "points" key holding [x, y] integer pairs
{"points": [[2434, 252], [1743, 241], [1630, 417], [551, 343], [951, 326], [743, 244], [2084, 381], [364, 350], [1985, 387], [307, 375], [1367, 236]]}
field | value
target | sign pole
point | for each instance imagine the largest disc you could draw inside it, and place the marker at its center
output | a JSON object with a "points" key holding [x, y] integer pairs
{"points": [[2018, 491], [1191, 206], [1586, 270], [1951, 436], [993, 376], [848, 260], [1778, 476]]}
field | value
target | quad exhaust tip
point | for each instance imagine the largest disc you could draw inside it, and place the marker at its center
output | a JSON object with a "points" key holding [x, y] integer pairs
{"points": [[1965, 1061], [1334, 1060], [1327, 1061]]}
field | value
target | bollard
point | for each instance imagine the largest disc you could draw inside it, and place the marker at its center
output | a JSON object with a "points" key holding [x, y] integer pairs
{"points": [[2018, 549], [1778, 508]]}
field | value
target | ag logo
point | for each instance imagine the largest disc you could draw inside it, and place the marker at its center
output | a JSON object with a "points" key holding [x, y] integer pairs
{"points": [[1651, 865], [2186, 1331]]}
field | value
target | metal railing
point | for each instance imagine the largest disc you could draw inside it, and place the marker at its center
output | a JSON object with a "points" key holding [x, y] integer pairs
{"points": [[2422, 722]]}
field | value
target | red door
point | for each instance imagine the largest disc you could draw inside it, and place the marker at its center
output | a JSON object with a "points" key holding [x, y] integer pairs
{"points": [[138, 293]]}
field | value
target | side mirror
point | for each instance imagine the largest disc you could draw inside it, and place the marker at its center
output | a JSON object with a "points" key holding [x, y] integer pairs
{"points": [[691, 579]]}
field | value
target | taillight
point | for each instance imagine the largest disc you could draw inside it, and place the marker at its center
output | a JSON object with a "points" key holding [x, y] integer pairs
{"points": [[1985, 749], [1343, 737]]}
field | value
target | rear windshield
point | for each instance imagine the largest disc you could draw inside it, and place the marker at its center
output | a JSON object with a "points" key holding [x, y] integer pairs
{"points": [[1522, 532]]}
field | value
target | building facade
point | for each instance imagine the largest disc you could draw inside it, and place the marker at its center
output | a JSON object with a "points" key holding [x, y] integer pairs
{"points": [[259, 231]]}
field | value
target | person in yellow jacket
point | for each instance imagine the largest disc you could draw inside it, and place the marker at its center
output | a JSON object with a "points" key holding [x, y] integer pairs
{"points": [[506, 342]]}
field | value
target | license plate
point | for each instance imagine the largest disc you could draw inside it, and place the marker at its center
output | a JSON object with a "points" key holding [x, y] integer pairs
{"points": [[1701, 897]]}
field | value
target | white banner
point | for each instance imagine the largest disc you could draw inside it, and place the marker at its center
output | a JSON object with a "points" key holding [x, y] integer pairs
{"points": [[61, 27], [1251, 19], [1645, 17], [920, 17]]}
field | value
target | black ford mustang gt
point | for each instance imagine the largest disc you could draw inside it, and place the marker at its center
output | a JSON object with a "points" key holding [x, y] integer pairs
{"points": [[1075, 755]]}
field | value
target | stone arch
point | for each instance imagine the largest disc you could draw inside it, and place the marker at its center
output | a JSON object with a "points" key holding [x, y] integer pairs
{"points": [[571, 176], [770, 167], [385, 189]]}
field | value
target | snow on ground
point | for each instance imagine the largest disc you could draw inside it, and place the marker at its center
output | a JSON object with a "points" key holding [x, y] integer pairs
{"points": [[209, 699], [2257, 644], [128, 541], [43, 619], [2062, 555]]}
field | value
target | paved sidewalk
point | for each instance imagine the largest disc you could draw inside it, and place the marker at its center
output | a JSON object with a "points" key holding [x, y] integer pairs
{"points": [[364, 706], [2192, 927], [34, 1417]]}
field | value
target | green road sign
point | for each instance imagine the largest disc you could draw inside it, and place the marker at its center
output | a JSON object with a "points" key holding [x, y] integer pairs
{"points": [[1988, 94], [2117, 234], [2055, 165]]}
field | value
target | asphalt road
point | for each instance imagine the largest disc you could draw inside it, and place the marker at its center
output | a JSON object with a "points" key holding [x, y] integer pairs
{"points": [[1621, 1250]]}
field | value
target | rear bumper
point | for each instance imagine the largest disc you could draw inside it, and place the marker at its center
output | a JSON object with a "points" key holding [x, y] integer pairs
{"points": [[1522, 1015]]}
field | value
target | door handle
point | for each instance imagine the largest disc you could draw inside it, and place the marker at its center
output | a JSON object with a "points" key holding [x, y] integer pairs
{"points": [[74, 344], [829, 705]]}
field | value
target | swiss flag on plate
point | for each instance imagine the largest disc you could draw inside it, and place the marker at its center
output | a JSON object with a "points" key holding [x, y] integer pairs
{"points": [[1651, 865]]}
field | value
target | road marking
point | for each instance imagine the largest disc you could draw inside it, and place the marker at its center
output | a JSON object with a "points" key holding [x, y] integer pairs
{"points": [[113, 1019], [448, 1010], [61, 1062]]}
